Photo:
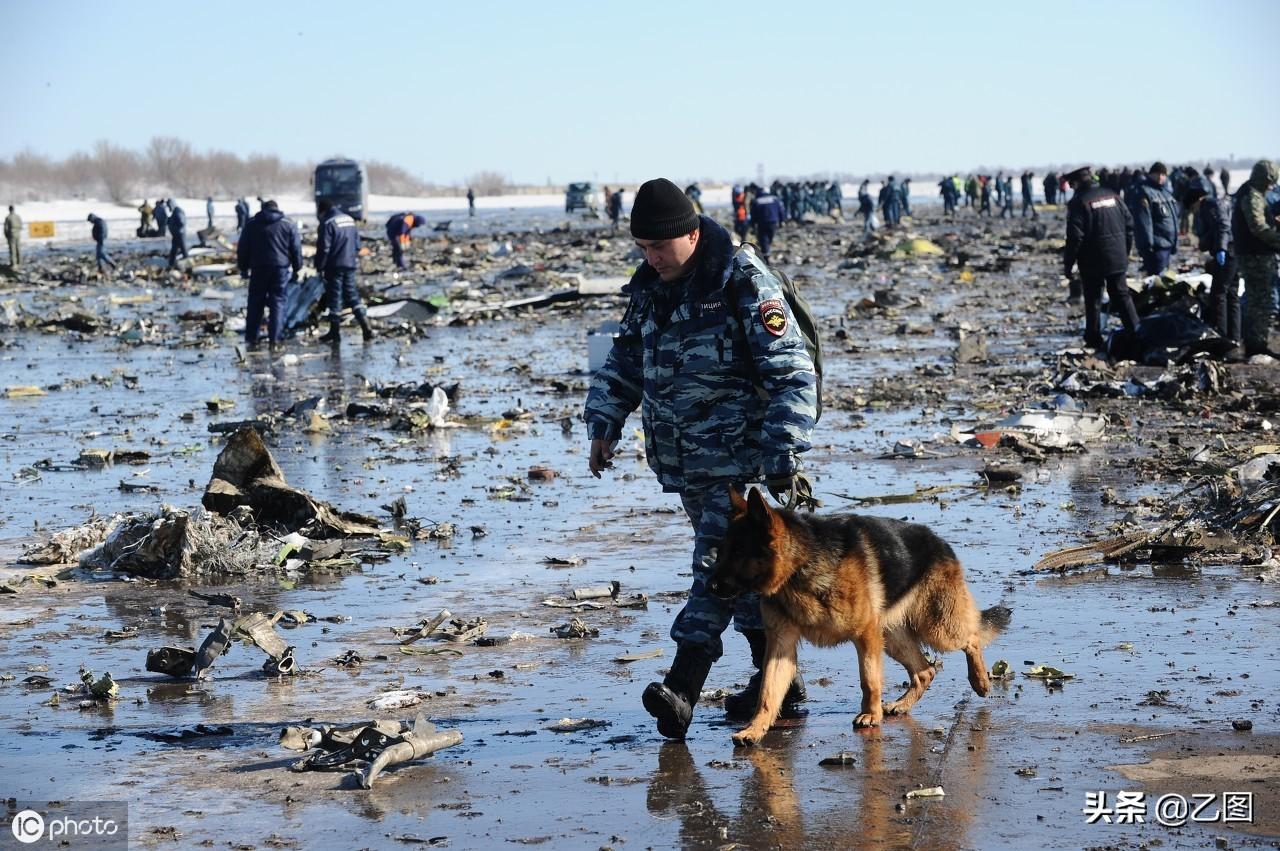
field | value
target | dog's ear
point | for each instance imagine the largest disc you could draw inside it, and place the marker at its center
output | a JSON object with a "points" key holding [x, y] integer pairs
{"points": [[758, 508], [736, 501]]}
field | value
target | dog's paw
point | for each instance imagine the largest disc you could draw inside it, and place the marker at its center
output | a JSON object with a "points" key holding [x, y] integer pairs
{"points": [[897, 707], [748, 737], [867, 719], [981, 685]]}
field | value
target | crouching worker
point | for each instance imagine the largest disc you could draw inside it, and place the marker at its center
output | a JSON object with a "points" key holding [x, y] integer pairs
{"points": [[337, 260], [710, 353]]}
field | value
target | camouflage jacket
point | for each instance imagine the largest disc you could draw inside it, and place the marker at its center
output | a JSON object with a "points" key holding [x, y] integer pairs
{"points": [[1250, 229], [725, 385]]}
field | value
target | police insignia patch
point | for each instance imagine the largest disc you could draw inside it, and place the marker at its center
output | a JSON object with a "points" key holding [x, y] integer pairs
{"points": [[774, 317]]}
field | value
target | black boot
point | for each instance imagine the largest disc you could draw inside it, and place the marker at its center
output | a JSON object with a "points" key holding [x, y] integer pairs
{"points": [[743, 704], [672, 700], [365, 327], [335, 332]]}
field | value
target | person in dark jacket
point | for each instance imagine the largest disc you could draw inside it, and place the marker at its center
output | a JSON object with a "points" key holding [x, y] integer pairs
{"points": [[947, 189], [1155, 214], [471, 202], [890, 200], [1028, 202], [866, 207], [177, 233], [1099, 239], [338, 260], [1213, 227], [13, 236], [766, 215], [1006, 197], [614, 204], [904, 192], [100, 242], [694, 193], [270, 255], [242, 214], [984, 193], [1051, 188], [399, 228], [161, 214], [835, 199], [1208, 179]]}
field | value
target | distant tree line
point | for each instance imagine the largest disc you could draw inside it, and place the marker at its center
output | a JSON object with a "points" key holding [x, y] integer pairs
{"points": [[172, 167]]}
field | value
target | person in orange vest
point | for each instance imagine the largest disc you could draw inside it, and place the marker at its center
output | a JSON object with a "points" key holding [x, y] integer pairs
{"points": [[740, 212], [399, 227]]}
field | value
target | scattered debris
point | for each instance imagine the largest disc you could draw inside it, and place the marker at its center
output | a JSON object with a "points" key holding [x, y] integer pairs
{"points": [[843, 758], [380, 745], [66, 546], [424, 628], [245, 474], [397, 699], [558, 561], [174, 661], [575, 628], [99, 688], [638, 657], [598, 591], [576, 725]]}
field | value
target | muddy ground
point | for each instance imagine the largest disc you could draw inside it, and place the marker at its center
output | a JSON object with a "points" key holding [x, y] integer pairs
{"points": [[1164, 656]]}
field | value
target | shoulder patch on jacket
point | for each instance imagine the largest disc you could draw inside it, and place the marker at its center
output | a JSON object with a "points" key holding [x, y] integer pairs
{"points": [[774, 316]]}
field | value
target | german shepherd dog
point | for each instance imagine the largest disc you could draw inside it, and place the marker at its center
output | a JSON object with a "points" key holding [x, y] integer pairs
{"points": [[886, 585]]}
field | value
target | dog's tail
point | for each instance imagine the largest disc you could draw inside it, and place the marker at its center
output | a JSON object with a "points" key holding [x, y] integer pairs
{"points": [[994, 621]]}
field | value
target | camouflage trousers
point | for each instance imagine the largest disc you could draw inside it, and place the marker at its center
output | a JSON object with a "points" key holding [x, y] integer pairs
{"points": [[705, 616], [1258, 271]]}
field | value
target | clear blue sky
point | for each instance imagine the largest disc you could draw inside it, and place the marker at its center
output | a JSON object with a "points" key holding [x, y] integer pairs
{"points": [[574, 90]]}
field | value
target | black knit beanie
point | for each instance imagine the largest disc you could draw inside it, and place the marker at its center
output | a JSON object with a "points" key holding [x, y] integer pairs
{"points": [[661, 211]]}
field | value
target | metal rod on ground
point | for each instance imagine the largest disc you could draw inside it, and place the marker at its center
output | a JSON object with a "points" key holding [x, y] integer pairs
{"points": [[428, 627]]}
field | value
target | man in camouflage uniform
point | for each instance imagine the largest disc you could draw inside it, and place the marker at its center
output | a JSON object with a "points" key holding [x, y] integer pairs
{"points": [[709, 351], [1256, 242]]}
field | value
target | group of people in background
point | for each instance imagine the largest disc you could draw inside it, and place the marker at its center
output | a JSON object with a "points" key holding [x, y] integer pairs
{"points": [[167, 217], [1110, 214], [1114, 211], [764, 210], [977, 191]]}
